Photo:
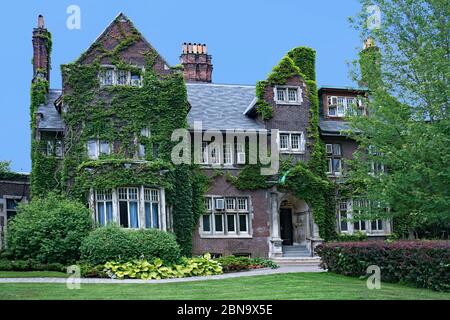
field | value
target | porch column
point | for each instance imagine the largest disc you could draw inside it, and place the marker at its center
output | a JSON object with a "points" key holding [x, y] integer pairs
{"points": [[276, 249]]}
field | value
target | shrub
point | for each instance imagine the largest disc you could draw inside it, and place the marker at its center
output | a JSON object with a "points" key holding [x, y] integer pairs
{"points": [[113, 243], [48, 230], [423, 264], [29, 265], [91, 271], [357, 236], [232, 263], [142, 269]]}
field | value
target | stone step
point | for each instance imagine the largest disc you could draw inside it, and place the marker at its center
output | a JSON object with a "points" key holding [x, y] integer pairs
{"points": [[295, 255], [299, 261]]}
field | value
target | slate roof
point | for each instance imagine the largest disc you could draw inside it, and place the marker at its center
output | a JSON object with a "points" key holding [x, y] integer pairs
{"points": [[50, 118], [220, 106], [331, 127]]}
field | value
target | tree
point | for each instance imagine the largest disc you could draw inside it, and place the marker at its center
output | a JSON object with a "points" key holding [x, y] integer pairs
{"points": [[408, 128], [4, 167]]}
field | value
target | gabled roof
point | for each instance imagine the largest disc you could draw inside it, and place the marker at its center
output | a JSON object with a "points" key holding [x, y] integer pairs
{"points": [[217, 106], [49, 118], [120, 18], [221, 107]]}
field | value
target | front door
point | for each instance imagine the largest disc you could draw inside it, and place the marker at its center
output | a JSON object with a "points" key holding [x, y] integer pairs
{"points": [[286, 226]]}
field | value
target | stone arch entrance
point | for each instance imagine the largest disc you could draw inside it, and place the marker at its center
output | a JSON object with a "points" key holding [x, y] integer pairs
{"points": [[292, 227], [294, 221]]}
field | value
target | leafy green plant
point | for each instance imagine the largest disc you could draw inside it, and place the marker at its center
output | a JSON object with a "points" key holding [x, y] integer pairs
{"points": [[30, 265], [112, 243], [357, 236], [142, 269], [232, 263], [423, 264], [48, 230]]}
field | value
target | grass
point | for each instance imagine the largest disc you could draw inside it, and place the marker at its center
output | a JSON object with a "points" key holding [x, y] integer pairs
{"points": [[32, 274], [312, 286]]}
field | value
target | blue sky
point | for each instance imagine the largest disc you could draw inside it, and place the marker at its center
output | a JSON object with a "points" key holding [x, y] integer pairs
{"points": [[245, 38]]}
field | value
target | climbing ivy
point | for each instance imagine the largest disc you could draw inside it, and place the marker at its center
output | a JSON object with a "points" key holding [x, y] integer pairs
{"points": [[44, 174], [117, 114], [306, 181]]}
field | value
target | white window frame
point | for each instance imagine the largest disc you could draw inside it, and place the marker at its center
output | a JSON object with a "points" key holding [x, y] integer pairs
{"points": [[286, 100], [343, 206], [332, 156], [102, 76], [115, 77], [128, 199], [102, 197], [145, 132], [302, 142], [205, 153], [239, 208], [59, 148], [228, 154], [98, 149], [151, 196], [240, 154]]}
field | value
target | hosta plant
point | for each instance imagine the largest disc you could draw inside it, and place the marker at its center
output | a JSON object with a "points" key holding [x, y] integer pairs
{"points": [[143, 269]]}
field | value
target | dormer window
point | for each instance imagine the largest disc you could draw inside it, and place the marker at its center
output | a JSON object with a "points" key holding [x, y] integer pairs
{"points": [[288, 95], [292, 95], [343, 106]]}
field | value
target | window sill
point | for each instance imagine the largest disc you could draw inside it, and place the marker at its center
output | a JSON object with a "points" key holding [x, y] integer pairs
{"points": [[287, 103], [291, 152], [206, 236]]}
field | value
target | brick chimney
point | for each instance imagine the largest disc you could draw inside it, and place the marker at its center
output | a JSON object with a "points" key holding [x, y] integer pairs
{"points": [[41, 58], [196, 63]]}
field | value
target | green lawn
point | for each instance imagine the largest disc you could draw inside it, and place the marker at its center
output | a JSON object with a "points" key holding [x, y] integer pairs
{"points": [[32, 274], [281, 286]]}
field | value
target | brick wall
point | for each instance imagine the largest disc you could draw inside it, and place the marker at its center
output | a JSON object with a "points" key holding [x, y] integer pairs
{"points": [[259, 204]]}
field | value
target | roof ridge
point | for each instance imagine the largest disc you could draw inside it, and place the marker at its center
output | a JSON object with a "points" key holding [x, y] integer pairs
{"points": [[220, 84]]}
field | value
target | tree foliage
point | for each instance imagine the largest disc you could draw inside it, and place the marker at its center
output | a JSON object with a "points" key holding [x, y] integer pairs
{"points": [[408, 127]]}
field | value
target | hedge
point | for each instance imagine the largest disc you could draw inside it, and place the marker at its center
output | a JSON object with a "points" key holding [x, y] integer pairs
{"points": [[113, 243], [424, 264]]}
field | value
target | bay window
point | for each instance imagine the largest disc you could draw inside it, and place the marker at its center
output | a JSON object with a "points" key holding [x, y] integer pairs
{"points": [[151, 204], [104, 207], [128, 207]]}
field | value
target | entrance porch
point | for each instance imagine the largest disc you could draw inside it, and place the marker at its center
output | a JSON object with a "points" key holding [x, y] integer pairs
{"points": [[293, 231]]}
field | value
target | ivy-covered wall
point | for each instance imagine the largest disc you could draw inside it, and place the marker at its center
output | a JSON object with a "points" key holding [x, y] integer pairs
{"points": [[117, 114], [306, 178]]}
